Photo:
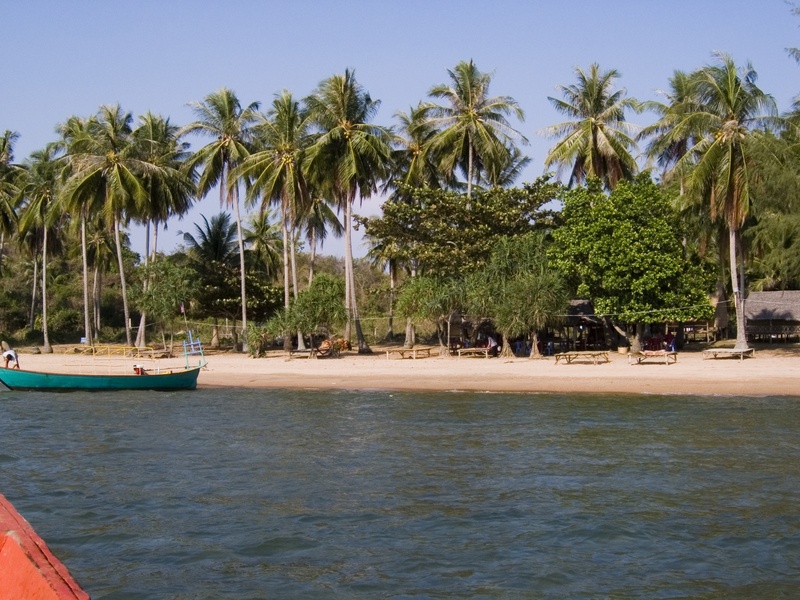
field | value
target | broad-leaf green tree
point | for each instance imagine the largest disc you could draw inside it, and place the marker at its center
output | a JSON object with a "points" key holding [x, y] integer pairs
{"points": [[623, 251]]}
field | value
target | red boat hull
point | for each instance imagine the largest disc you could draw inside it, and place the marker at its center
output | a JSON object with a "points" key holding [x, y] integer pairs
{"points": [[27, 567]]}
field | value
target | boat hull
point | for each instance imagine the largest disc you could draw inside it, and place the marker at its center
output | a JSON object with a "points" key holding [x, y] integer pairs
{"points": [[29, 569], [19, 379]]}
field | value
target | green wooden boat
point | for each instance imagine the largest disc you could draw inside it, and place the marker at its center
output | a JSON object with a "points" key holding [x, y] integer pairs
{"points": [[176, 379]]}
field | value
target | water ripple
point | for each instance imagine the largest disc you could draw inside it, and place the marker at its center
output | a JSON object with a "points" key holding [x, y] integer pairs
{"points": [[287, 494]]}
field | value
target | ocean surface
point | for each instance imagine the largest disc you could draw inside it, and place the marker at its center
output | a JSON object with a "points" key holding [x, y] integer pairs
{"points": [[252, 494]]}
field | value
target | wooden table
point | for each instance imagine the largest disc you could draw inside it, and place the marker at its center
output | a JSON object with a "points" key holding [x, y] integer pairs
{"points": [[665, 356], [415, 352], [473, 352], [728, 353], [593, 356]]}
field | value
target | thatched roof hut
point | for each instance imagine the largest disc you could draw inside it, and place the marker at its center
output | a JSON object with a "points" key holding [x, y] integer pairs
{"points": [[773, 314]]}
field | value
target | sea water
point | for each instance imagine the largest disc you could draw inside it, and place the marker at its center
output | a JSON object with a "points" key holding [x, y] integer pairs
{"points": [[307, 494]]}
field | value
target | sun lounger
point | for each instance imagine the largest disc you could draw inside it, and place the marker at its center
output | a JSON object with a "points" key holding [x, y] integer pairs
{"points": [[414, 353], [474, 352], [728, 353], [663, 356], [593, 356]]}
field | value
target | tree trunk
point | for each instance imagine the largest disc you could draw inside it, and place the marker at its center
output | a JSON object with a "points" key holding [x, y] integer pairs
{"points": [[470, 174], [96, 295], [410, 334], [141, 335], [301, 345], [87, 321], [363, 347], [506, 352], [390, 332], [47, 348], [215, 334], [123, 286], [535, 345], [312, 246], [32, 316], [241, 266], [287, 338], [738, 294], [638, 338], [348, 267]]}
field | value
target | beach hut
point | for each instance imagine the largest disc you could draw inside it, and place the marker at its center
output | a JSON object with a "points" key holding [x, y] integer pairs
{"points": [[773, 316]]}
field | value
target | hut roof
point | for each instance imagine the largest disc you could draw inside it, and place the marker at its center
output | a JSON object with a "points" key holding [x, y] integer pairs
{"points": [[581, 310], [773, 306]]}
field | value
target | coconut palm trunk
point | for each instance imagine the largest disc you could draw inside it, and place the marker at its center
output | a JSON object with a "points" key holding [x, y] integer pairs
{"points": [[32, 317], [738, 293], [287, 340], [87, 321], [122, 284], [235, 193], [47, 348]]}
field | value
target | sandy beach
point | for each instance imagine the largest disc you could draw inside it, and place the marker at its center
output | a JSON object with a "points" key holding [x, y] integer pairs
{"points": [[773, 371]]}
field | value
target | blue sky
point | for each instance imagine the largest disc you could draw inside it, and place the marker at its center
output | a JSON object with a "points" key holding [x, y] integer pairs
{"points": [[69, 57]]}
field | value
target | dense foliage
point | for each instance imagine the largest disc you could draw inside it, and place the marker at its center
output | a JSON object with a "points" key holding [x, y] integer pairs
{"points": [[458, 232]]}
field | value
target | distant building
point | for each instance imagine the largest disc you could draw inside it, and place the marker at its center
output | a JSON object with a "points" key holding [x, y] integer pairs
{"points": [[773, 316]]}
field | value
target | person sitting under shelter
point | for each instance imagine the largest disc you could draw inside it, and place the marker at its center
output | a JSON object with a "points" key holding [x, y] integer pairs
{"points": [[491, 343], [10, 355]]}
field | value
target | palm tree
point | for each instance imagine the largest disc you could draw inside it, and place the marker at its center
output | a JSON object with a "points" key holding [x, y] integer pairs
{"points": [[415, 163], [42, 211], [473, 127], [667, 145], [319, 220], [730, 110], [106, 169], [352, 155], [221, 117], [72, 133], [276, 173], [9, 174], [170, 189], [263, 238], [215, 243], [597, 142]]}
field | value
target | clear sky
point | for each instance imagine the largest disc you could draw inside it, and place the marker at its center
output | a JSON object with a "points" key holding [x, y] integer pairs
{"points": [[63, 58]]}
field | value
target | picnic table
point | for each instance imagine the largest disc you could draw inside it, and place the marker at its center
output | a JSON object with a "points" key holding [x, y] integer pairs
{"points": [[474, 352], [415, 352], [665, 356], [592, 356], [728, 353]]}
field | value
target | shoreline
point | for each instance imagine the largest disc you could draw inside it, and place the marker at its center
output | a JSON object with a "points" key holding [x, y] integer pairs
{"points": [[773, 371]]}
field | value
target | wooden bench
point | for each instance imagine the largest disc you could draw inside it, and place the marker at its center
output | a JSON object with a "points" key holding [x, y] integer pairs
{"points": [[473, 352], [415, 352], [593, 356], [665, 356], [305, 352], [728, 353]]}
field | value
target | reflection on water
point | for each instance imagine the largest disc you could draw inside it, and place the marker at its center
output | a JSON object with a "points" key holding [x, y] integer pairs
{"points": [[295, 494]]}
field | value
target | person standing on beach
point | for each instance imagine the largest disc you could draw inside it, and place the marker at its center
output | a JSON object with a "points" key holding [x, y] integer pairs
{"points": [[10, 355]]}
